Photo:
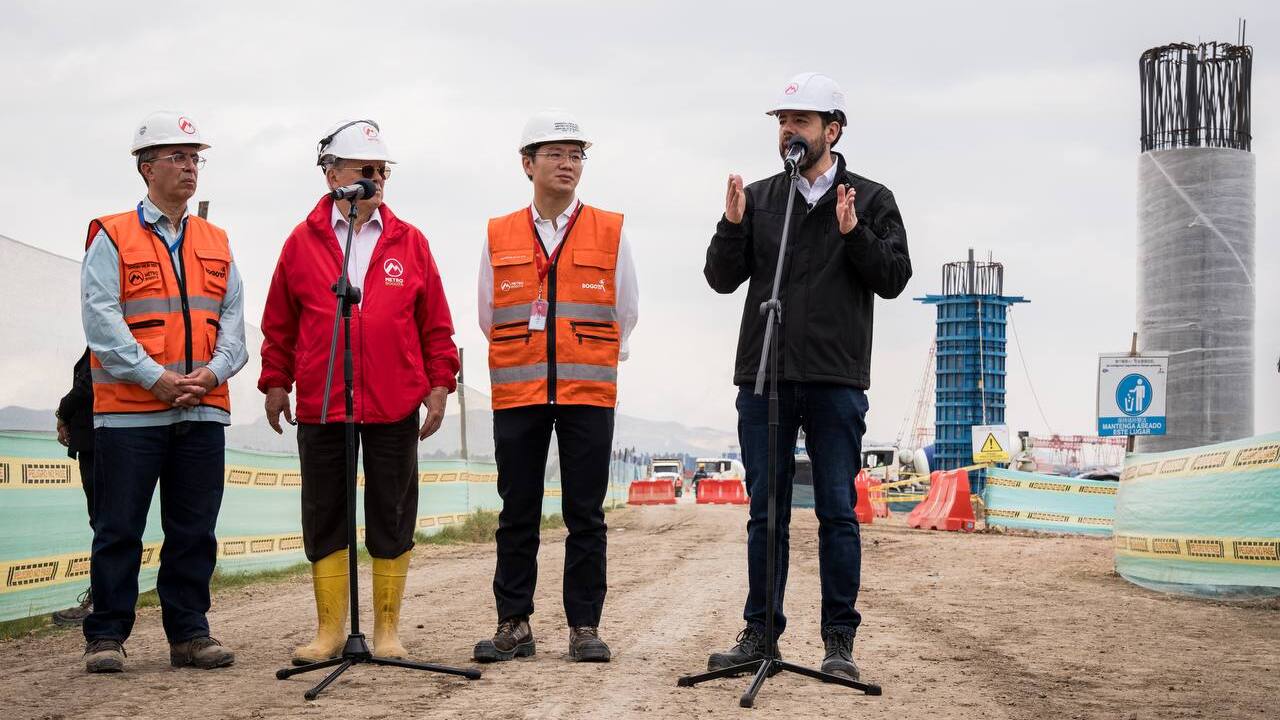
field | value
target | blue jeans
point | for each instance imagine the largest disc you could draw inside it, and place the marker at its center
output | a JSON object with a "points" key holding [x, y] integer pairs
{"points": [[834, 420], [187, 460]]}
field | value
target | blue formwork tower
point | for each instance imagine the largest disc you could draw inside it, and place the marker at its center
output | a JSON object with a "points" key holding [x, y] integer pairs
{"points": [[971, 355]]}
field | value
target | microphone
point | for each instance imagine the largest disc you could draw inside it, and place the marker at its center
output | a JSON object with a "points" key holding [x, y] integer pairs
{"points": [[359, 190], [797, 149]]}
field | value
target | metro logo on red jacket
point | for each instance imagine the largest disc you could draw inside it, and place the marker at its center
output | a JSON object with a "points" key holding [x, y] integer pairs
{"points": [[401, 332]]}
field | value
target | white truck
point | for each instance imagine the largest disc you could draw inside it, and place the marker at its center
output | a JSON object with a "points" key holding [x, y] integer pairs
{"points": [[667, 468]]}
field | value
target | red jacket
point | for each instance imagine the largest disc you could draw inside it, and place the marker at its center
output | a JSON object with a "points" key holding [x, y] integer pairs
{"points": [[401, 332]]}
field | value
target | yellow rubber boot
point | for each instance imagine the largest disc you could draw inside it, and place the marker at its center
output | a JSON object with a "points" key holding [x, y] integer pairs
{"points": [[388, 589], [329, 578]]}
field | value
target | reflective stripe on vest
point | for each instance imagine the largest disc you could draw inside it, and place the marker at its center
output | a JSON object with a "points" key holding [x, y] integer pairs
{"points": [[575, 360], [176, 323]]}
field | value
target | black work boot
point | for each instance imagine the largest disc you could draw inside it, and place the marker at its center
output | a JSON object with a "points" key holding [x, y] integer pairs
{"points": [[751, 646], [513, 639], [103, 656], [201, 652], [585, 645], [839, 656]]}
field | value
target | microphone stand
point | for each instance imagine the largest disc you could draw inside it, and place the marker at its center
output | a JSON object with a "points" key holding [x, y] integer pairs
{"points": [[356, 650], [772, 664]]}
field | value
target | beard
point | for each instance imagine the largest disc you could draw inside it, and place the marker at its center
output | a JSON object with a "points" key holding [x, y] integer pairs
{"points": [[817, 149]]}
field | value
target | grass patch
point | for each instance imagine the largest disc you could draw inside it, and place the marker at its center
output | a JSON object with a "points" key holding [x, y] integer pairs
{"points": [[232, 580], [479, 527]]}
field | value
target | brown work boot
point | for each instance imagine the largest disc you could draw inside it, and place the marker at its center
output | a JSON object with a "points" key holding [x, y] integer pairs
{"points": [[513, 639], [103, 656], [585, 645], [73, 616], [202, 652]]}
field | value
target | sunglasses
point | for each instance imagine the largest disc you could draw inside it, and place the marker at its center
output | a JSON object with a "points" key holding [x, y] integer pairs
{"points": [[367, 171]]}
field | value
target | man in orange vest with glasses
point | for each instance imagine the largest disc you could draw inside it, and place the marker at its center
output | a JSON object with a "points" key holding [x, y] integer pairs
{"points": [[164, 320], [557, 300]]}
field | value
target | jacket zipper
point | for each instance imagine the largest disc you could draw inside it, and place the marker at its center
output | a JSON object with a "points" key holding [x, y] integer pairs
{"points": [[575, 324], [594, 337], [506, 338]]}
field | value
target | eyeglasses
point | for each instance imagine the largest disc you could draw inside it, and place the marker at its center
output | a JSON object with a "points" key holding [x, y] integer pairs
{"points": [[367, 171], [180, 159], [558, 157]]}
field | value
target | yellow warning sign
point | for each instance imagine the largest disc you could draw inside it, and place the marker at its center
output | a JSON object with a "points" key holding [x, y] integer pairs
{"points": [[990, 443]]}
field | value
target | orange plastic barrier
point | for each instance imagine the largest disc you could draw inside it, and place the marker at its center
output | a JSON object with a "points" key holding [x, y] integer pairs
{"points": [[956, 511], [878, 504], [947, 506], [925, 509], [722, 492], [651, 491], [862, 508]]}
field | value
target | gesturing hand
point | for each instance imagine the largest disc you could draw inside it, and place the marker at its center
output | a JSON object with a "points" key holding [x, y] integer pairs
{"points": [[735, 200], [844, 209]]}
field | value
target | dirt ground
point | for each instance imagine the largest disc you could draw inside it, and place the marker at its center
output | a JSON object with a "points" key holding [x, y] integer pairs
{"points": [[954, 626]]}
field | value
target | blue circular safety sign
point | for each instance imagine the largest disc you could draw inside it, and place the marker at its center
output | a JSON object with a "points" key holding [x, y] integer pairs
{"points": [[1133, 394]]}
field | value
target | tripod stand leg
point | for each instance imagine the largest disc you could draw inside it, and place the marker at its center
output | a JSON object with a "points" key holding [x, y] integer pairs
{"points": [[290, 672], [467, 673], [731, 671], [866, 688], [314, 692], [748, 698]]}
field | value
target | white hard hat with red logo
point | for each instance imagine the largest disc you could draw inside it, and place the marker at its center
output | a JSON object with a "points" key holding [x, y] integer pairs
{"points": [[353, 140], [811, 91], [167, 127], [550, 126]]}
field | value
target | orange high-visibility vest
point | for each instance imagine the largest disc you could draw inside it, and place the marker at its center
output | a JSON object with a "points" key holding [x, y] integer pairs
{"points": [[176, 323], [575, 360]]}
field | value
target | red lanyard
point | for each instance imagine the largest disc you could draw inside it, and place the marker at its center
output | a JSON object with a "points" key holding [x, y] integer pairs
{"points": [[545, 265]]}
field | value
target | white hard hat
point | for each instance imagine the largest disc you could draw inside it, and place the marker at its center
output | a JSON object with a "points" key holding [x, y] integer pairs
{"points": [[811, 91], [354, 140], [166, 127], [548, 126]]}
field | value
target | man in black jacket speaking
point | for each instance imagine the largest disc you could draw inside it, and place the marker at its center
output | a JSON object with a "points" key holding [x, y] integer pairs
{"points": [[847, 244]]}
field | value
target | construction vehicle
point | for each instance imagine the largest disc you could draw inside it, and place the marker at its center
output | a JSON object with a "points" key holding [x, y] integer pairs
{"points": [[668, 468]]}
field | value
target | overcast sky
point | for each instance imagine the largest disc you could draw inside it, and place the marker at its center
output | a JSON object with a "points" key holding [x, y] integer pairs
{"points": [[1008, 127]]}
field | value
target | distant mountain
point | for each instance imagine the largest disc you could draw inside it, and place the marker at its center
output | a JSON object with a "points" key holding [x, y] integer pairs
{"points": [[20, 418]]}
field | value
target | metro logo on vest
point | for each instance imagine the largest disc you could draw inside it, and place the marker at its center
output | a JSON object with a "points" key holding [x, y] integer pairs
{"points": [[575, 362]]}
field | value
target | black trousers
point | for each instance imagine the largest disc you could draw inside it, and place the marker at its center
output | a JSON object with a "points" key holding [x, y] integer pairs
{"points": [[187, 460], [390, 486], [85, 459], [522, 438]]}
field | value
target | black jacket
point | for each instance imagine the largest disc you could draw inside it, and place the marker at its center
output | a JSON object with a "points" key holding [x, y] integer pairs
{"points": [[827, 281], [76, 408]]}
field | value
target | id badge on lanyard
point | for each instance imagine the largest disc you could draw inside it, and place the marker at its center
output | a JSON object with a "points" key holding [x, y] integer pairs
{"points": [[538, 308]]}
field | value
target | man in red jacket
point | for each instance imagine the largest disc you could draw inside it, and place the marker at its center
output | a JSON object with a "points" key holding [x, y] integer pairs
{"points": [[402, 342]]}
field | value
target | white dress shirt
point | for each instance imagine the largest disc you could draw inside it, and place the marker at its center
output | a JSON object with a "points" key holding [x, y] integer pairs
{"points": [[362, 243], [551, 232], [814, 193]]}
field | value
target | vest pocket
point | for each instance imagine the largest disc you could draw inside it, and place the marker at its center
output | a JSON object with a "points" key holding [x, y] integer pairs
{"points": [[214, 265], [595, 258], [142, 275], [211, 328], [586, 330]]}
